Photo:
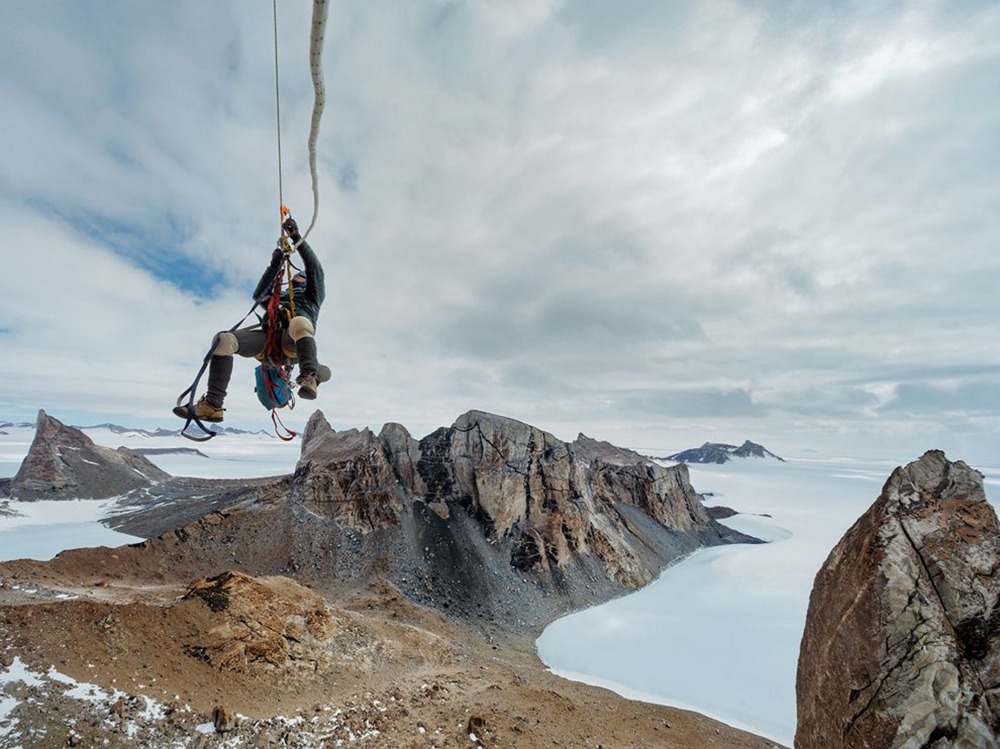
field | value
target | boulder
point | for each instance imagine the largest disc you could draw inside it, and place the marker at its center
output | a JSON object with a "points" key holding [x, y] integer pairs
{"points": [[902, 640], [266, 621], [64, 463]]}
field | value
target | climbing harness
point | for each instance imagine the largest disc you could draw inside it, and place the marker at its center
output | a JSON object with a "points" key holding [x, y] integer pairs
{"points": [[273, 375], [275, 372]]}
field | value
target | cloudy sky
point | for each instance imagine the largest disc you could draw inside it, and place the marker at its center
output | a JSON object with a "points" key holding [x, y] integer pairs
{"points": [[657, 223]]}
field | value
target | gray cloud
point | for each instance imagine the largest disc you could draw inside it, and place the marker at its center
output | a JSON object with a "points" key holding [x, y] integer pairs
{"points": [[970, 398], [674, 403]]}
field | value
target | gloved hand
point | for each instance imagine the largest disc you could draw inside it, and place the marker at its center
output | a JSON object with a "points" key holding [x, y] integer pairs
{"points": [[277, 256], [291, 229]]}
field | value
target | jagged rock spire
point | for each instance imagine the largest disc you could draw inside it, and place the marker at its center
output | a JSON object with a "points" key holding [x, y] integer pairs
{"points": [[902, 640]]}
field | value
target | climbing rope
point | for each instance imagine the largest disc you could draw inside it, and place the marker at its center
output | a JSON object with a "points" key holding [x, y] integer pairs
{"points": [[319, 89], [277, 110], [316, 39]]}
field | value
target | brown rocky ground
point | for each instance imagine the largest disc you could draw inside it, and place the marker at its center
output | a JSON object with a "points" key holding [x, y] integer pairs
{"points": [[372, 666]]}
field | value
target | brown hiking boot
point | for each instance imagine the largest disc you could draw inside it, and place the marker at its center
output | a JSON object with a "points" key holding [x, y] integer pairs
{"points": [[308, 384], [203, 411]]}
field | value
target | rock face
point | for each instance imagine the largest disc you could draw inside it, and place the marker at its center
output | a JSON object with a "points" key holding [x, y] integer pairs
{"points": [[347, 477], [64, 463], [902, 641], [718, 452], [548, 498]]}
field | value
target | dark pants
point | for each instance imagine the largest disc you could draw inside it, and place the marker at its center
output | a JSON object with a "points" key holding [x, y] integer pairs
{"points": [[252, 341]]}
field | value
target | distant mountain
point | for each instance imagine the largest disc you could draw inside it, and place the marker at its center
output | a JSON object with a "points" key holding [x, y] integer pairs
{"points": [[131, 431], [718, 452], [161, 432], [117, 429]]}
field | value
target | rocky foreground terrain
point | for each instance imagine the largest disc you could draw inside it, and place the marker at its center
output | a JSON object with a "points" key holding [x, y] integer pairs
{"points": [[388, 593], [902, 641]]}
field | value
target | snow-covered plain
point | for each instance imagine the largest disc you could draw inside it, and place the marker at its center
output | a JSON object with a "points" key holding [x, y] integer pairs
{"points": [[40, 530], [719, 632]]}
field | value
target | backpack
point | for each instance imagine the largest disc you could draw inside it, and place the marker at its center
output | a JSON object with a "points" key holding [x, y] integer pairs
{"points": [[272, 388]]}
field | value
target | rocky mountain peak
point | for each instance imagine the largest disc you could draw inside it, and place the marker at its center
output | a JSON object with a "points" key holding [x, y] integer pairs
{"points": [[506, 492], [50, 430], [64, 463], [316, 427], [902, 640], [346, 476], [752, 450]]}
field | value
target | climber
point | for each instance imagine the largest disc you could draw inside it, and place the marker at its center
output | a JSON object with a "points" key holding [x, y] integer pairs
{"points": [[297, 341]]}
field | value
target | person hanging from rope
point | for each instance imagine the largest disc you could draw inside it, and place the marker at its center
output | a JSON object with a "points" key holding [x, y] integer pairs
{"points": [[305, 295]]}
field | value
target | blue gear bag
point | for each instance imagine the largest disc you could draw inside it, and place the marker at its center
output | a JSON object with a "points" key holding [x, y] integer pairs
{"points": [[273, 389]]}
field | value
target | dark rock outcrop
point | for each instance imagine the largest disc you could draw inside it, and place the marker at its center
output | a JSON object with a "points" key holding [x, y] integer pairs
{"points": [[718, 452], [902, 641], [64, 463]]}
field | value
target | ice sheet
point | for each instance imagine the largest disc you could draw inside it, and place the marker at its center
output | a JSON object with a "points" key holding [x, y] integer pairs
{"points": [[43, 529]]}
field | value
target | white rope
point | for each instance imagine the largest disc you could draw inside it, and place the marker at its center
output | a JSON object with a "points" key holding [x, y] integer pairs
{"points": [[316, 66], [277, 106]]}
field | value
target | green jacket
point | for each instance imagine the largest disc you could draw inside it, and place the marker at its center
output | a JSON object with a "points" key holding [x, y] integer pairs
{"points": [[307, 300]]}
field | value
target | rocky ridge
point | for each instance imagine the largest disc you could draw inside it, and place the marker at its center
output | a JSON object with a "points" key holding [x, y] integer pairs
{"points": [[902, 640], [490, 520]]}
